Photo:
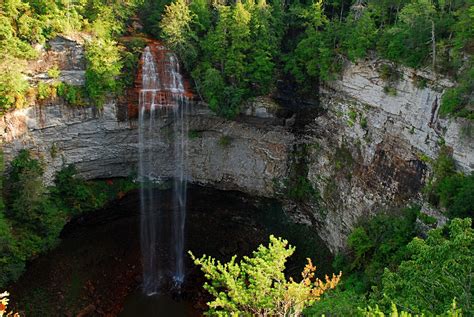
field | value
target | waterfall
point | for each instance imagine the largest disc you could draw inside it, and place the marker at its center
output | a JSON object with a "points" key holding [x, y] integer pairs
{"points": [[162, 101]]}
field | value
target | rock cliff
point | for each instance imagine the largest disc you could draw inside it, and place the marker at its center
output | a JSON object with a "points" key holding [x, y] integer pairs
{"points": [[101, 146], [370, 148], [367, 151]]}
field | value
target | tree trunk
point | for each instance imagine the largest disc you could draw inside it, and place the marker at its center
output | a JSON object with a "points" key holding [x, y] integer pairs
{"points": [[433, 43]]}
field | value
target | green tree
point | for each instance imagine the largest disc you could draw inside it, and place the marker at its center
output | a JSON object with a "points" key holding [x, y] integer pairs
{"points": [[359, 34], [202, 16], [103, 68], [12, 83], [314, 57], [410, 41], [439, 269], [257, 286], [28, 203], [176, 30], [377, 244], [72, 192], [456, 194], [266, 42]]}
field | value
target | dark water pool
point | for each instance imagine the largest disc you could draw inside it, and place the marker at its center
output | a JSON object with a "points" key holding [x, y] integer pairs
{"points": [[138, 304], [96, 269]]}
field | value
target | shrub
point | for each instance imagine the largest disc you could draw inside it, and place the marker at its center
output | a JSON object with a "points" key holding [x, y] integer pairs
{"points": [[391, 91], [257, 286], [395, 312], [32, 222], [54, 72], [389, 73], [458, 101], [47, 90], [77, 196], [448, 189], [438, 270], [456, 194], [73, 95], [299, 188], [12, 84], [376, 244], [337, 303], [130, 59], [225, 141]]}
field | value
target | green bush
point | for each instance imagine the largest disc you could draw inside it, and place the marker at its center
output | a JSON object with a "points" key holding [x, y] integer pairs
{"points": [[458, 101], [47, 90], [389, 73], [54, 72], [374, 245], [395, 312], [12, 84], [438, 270], [257, 285], [449, 189], [77, 196], [337, 303], [31, 222], [358, 35], [456, 194], [130, 59], [301, 189], [73, 95], [408, 41]]}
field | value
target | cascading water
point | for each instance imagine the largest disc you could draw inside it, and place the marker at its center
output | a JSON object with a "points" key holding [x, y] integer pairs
{"points": [[162, 98]]}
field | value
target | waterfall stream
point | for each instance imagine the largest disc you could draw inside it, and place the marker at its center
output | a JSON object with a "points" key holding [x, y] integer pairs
{"points": [[162, 125]]}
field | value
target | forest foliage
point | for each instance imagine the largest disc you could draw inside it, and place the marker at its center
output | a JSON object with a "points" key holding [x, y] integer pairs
{"points": [[402, 274], [421, 275], [448, 189], [26, 24], [32, 215], [235, 51]]}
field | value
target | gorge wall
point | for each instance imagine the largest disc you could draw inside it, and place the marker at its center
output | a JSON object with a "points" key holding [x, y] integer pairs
{"points": [[370, 150], [102, 147], [367, 151]]}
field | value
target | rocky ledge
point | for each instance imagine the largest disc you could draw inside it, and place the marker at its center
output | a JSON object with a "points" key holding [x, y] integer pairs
{"points": [[101, 146]]}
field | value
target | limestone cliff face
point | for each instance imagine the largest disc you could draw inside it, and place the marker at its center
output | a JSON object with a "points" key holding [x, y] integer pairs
{"points": [[367, 151], [370, 149], [101, 146]]}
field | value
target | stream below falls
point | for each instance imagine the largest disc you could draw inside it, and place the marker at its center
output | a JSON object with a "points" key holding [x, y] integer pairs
{"points": [[96, 269]]}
